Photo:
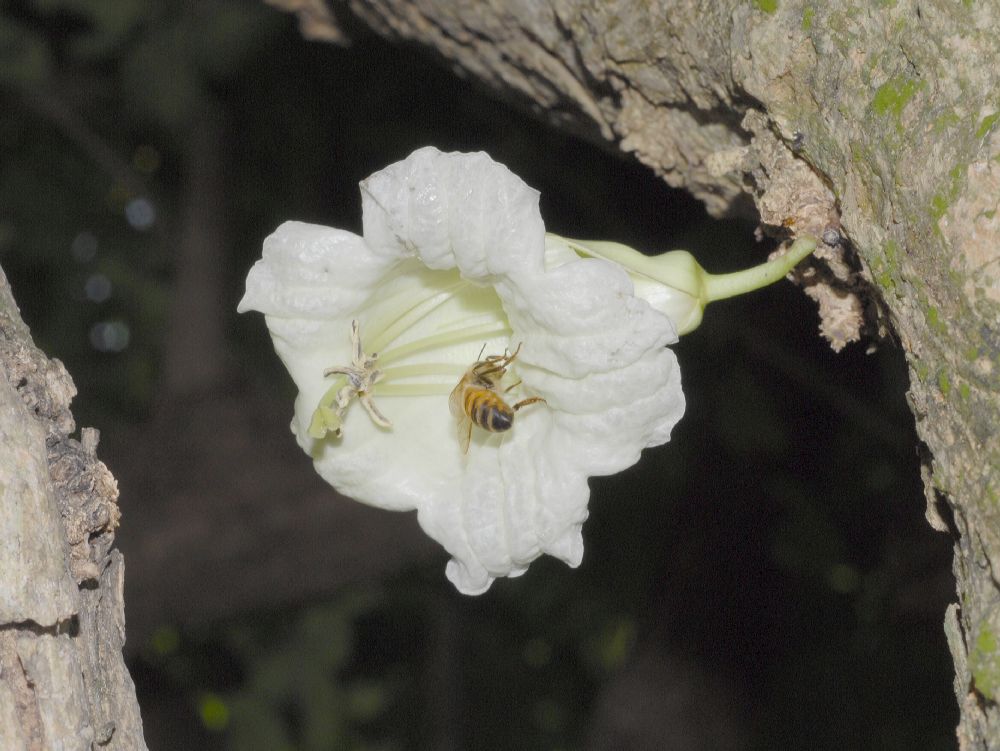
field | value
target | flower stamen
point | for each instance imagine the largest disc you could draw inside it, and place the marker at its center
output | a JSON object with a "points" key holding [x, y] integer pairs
{"points": [[359, 381], [404, 316], [444, 369], [445, 338]]}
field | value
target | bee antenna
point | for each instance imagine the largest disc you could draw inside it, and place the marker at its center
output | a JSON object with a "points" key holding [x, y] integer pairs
{"points": [[480, 355]]}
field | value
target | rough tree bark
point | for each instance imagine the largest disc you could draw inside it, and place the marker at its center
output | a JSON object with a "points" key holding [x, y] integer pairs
{"points": [[63, 683], [873, 125]]}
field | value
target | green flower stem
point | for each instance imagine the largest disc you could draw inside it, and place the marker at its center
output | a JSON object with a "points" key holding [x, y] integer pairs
{"points": [[721, 286], [679, 271]]}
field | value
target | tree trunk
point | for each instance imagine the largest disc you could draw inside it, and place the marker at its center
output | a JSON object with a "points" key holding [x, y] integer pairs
{"points": [[872, 125], [63, 683]]}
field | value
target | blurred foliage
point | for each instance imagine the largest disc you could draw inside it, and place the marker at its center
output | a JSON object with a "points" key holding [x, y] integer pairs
{"points": [[96, 102], [402, 668], [777, 542]]}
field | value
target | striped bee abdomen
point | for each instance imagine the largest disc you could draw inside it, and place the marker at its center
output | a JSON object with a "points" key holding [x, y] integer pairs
{"points": [[488, 410]]}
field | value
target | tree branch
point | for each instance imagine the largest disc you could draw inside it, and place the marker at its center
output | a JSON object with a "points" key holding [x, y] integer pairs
{"points": [[63, 683]]}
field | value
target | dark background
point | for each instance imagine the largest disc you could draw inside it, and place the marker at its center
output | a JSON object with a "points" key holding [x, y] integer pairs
{"points": [[766, 580]]}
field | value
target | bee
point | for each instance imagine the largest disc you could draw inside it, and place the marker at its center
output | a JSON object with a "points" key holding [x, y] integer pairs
{"points": [[476, 400]]}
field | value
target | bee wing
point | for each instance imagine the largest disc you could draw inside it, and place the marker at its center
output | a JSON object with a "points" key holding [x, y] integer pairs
{"points": [[456, 398], [464, 433], [456, 404]]}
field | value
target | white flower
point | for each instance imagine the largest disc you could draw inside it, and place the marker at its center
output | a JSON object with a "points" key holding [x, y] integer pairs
{"points": [[453, 267]]}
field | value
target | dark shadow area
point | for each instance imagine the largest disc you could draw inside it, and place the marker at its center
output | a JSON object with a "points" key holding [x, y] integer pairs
{"points": [[765, 580]]}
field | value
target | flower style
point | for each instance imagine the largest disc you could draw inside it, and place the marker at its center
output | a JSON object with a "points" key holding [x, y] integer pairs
{"points": [[454, 268]]}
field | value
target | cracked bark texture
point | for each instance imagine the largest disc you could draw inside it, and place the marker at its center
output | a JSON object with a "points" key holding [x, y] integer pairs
{"points": [[63, 682], [875, 123]]}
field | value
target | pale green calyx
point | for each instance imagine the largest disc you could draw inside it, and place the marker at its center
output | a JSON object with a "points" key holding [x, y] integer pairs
{"points": [[675, 283]]}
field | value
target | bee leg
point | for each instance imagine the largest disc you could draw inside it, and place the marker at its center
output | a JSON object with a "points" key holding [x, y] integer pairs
{"points": [[526, 402], [488, 370], [508, 359], [502, 362], [512, 386]]}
